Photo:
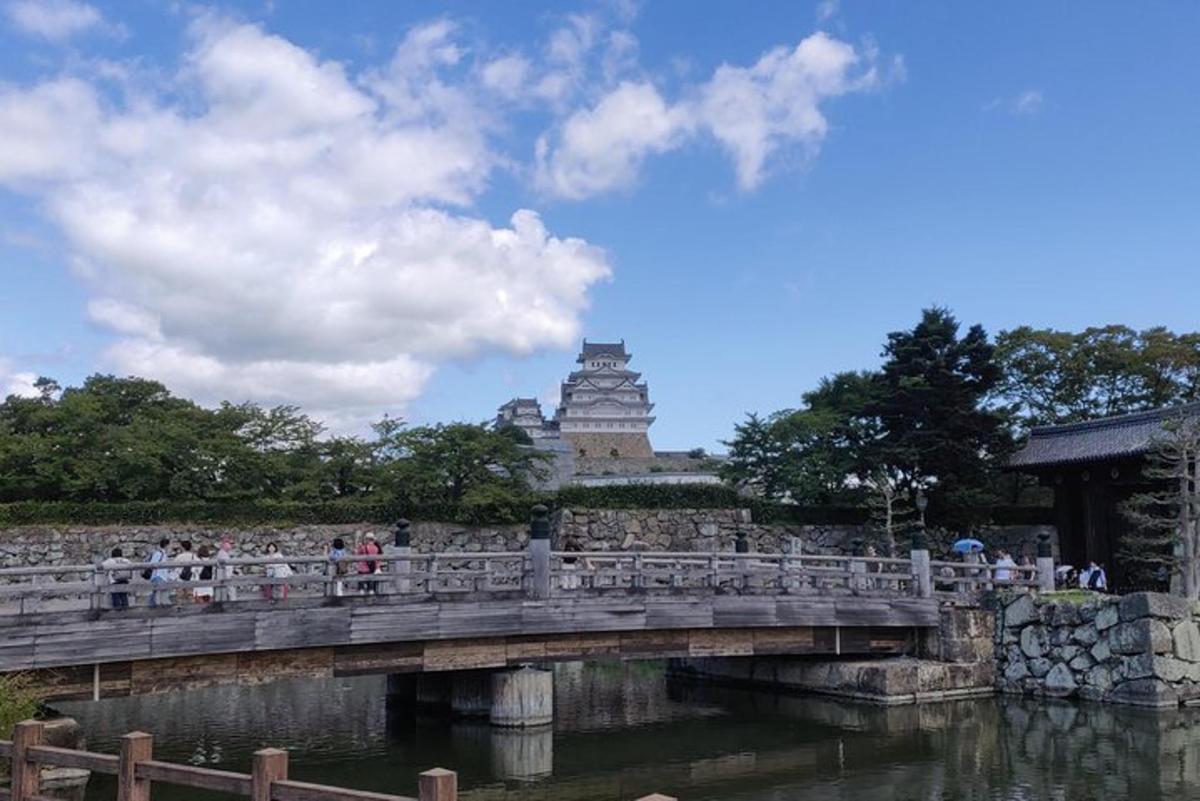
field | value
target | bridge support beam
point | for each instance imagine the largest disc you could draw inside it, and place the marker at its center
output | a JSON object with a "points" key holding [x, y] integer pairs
{"points": [[433, 690], [522, 697]]}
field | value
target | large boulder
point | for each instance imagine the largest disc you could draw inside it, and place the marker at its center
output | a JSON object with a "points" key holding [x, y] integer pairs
{"points": [[1033, 642], [1154, 604], [1060, 681], [1146, 692], [1187, 641], [1101, 652], [1020, 612], [1086, 635], [1140, 637], [1082, 662], [1065, 615], [1039, 667], [1107, 617], [1016, 671], [1100, 677]]}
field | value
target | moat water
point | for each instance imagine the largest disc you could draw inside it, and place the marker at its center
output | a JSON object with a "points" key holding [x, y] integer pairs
{"points": [[624, 731]]}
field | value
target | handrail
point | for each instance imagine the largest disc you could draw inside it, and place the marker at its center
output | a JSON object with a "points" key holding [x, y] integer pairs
{"points": [[137, 770], [405, 574]]}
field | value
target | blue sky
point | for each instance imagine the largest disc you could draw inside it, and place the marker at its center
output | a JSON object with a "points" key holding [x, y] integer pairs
{"points": [[280, 202]]}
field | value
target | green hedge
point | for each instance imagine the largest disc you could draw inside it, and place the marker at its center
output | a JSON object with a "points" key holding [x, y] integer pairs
{"points": [[508, 509]]}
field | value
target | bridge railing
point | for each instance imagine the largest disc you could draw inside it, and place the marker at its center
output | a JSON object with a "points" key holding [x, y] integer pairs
{"points": [[601, 572], [968, 579], [137, 771], [453, 574]]}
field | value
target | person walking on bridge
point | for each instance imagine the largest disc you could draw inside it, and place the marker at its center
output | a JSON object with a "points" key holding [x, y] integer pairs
{"points": [[368, 567], [118, 573], [225, 571], [159, 575]]}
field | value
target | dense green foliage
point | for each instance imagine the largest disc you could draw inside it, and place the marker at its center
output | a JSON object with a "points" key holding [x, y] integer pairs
{"points": [[128, 440], [1060, 377], [919, 423]]}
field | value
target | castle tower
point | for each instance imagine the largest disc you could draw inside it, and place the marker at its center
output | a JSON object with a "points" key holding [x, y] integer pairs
{"points": [[604, 411], [525, 414]]}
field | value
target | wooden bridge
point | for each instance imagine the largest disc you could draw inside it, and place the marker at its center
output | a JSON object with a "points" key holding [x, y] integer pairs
{"points": [[462, 611]]}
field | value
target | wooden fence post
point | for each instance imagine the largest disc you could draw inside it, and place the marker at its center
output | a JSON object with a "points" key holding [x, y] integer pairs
{"points": [[269, 765], [1045, 563], [135, 747], [26, 775], [438, 784]]}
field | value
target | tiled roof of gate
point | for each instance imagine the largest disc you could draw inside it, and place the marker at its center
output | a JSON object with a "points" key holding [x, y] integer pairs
{"points": [[1098, 440]]}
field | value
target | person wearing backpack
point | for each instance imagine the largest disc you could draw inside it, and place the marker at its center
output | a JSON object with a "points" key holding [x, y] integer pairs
{"points": [[341, 568], [185, 572], [158, 576], [203, 594]]}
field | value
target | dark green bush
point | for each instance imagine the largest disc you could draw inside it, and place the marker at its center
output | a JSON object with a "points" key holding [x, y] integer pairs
{"points": [[484, 508]]}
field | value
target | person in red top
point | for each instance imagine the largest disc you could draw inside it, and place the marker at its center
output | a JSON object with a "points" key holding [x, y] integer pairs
{"points": [[368, 567]]}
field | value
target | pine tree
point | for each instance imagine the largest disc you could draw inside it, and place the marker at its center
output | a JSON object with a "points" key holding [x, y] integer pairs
{"points": [[1165, 539]]}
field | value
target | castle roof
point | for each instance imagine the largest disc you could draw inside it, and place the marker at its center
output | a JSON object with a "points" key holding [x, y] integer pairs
{"points": [[592, 350], [1099, 440], [521, 402]]}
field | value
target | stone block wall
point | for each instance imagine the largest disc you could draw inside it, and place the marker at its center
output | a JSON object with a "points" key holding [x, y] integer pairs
{"points": [[1141, 649], [700, 530]]}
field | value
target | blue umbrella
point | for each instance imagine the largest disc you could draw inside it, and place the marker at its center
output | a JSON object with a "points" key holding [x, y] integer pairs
{"points": [[968, 546]]}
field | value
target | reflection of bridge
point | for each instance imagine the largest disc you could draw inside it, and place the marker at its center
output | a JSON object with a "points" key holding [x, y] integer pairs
{"points": [[459, 611]]}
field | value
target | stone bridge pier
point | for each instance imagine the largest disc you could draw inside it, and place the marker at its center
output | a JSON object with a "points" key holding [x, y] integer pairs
{"points": [[516, 697], [954, 660]]}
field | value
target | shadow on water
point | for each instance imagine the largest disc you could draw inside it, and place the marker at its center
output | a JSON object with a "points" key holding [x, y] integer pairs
{"points": [[625, 730]]}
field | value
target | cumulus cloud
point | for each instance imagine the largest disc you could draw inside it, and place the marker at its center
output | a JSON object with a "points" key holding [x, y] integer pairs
{"points": [[57, 20], [602, 148], [274, 228], [752, 112], [16, 382]]}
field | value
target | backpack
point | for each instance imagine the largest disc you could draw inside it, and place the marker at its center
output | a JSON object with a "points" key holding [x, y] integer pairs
{"points": [[185, 574], [206, 573]]}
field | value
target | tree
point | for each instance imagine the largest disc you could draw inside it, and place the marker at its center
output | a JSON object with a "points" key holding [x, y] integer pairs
{"points": [[1055, 377], [456, 462], [935, 429], [1166, 519]]}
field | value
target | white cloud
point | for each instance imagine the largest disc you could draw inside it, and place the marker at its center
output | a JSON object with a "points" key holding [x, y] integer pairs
{"points": [[752, 112], [16, 382], [57, 20], [273, 228], [827, 10], [508, 75], [1024, 103], [603, 148]]}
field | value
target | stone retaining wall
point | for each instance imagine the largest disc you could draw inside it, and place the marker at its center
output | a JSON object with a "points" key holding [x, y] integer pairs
{"points": [[702, 530], [1141, 649]]}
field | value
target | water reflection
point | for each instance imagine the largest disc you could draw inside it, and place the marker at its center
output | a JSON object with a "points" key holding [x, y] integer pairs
{"points": [[623, 731]]}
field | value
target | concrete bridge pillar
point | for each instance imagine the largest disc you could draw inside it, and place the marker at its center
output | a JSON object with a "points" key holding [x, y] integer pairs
{"points": [[522, 697], [471, 693]]}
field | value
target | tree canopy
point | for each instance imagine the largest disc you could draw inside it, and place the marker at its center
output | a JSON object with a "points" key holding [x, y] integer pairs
{"points": [[128, 439]]}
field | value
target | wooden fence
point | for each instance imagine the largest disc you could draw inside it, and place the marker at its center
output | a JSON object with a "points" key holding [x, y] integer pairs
{"points": [[137, 770]]}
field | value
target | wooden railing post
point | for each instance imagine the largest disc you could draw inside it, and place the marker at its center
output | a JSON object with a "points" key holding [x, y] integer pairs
{"points": [[135, 747], [269, 765], [99, 582], [26, 775], [438, 784], [657, 797], [922, 573]]}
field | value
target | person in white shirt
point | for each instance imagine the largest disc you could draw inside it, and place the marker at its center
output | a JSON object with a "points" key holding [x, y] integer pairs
{"points": [[116, 575], [225, 570], [1004, 565]]}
